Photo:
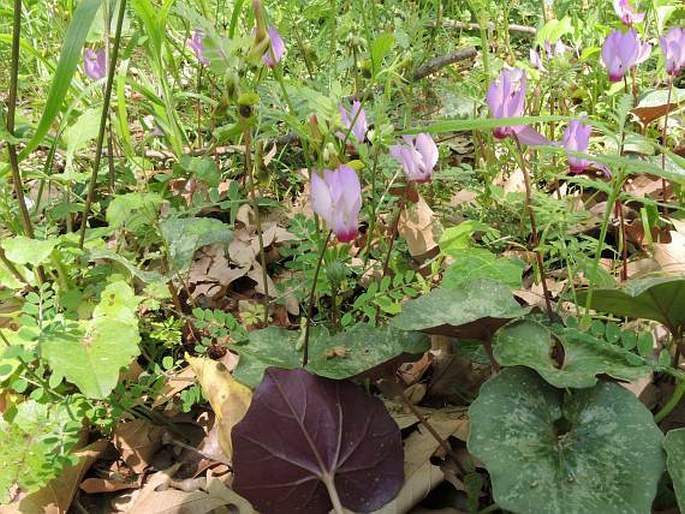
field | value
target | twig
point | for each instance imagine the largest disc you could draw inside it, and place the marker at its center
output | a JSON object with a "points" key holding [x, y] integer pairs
{"points": [[437, 63], [458, 25]]}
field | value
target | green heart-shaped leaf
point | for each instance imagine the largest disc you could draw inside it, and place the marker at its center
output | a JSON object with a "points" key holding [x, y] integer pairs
{"points": [[550, 451], [471, 310], [658, 298], [675, 457], [529, 343]]}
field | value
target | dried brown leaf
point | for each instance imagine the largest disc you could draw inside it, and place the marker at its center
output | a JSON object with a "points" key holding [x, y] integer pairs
{"points": [[137, 441], [420, 227]]}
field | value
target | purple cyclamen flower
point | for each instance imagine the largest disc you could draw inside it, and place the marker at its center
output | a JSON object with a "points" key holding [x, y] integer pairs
{"points": [[621, 51], [418, 156], [94, 63], [357, 115], [558, 50], [506, 99], [336, 197], [274, 53], [536, 60], [577, 139], [673, 47], [196, 43], [626, 12]]}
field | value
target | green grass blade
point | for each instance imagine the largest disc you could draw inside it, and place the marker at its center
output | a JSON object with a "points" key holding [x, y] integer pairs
{"points": [[237, 7], [68, 59]]}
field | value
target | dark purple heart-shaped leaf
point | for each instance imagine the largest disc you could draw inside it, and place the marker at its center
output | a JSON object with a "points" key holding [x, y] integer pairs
{"points": [[307, 439]]}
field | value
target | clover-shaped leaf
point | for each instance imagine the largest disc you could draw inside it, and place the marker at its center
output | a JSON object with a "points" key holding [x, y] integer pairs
{"points": [[308, 443]]}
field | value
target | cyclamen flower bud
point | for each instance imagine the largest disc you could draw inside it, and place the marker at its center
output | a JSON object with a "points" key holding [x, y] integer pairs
{"points": [[94, 63], [622, 51], [577, 139], [355, 115], [336, 197], [274, 53], [626, 12], [673, 46], [417, 156], [196, 43], [506, 99]]}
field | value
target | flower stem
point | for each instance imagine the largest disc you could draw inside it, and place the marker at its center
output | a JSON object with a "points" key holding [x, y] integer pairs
{"points": [[672, 402], [393, 235], [249, 171], [11, 109], [310, 306], [664, 131], [103, 122], [534, 229]]}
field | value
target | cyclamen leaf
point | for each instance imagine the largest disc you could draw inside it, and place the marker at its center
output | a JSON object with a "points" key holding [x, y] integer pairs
{"points": [[186, 235], [531, 344], [474, 309], [301, 428], [658, 298], [675, 456], [550, 451], [343, 355]]}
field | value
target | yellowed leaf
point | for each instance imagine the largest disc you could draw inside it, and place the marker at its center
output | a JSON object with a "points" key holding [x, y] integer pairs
{"points": [[229, 398]]}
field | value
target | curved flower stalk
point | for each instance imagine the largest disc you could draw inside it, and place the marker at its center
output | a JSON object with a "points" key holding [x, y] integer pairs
{"points": [[627, 13], [673, 46], [622, 51], [336, 197], [196, 44], [94, 63], [274, 52], [354, 117], [577, 139], [418, 156], [506, 99]]}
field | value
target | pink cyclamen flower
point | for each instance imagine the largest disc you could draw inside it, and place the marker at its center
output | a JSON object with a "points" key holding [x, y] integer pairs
{"points": [[337, 198], [94, 63], [627, 13], [536, 60], [621, 51], [577, 139], [274, 53], [506, 99], [673, 47], [355, 115], [418, 156], [196, 43]]}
